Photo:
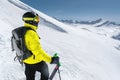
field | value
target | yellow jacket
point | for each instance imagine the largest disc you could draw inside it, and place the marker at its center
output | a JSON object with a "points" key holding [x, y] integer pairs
{"points": [[33, 44]]}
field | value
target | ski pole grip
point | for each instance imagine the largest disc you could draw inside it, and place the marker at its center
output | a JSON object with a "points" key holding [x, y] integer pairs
{"points": [[56, 55]]}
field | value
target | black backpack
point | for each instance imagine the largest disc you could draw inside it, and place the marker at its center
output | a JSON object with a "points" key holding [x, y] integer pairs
{"points": [[18, 43]]}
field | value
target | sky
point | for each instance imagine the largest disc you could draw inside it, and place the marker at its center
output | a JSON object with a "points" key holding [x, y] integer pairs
{"points": [[78, 9]]}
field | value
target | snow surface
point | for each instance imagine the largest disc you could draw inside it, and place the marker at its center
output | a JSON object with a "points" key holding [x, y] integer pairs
{"points": [[86, 52]]}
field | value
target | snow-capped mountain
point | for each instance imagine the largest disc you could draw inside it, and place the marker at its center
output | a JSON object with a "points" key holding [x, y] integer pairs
{"points": [[86, 52], [100, 21]]}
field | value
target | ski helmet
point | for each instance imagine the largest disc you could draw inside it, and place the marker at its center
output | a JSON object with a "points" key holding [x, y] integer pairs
{"points": [[31, 18]]}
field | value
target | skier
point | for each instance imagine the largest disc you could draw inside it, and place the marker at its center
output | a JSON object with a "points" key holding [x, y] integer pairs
{"points": [[36, 62]]}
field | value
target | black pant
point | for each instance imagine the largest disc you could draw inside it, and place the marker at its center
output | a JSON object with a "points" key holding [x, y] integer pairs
{"points": [[41, 67]]}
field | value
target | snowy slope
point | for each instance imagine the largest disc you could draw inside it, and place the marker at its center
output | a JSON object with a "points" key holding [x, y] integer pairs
{"points": [[84, 54]]}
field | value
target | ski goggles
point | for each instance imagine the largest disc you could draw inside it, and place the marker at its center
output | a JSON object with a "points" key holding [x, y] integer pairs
{"points": [[35, 19]]}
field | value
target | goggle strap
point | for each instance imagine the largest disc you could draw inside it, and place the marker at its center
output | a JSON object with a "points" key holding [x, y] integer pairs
{"points": [[32, 19], [28, 19]]}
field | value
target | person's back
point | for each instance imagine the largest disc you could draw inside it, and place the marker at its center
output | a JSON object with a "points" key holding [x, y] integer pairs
{"points": [[37, 61]]}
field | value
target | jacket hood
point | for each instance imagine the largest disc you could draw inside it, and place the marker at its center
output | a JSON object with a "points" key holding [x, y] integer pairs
{"points": [[31, 26]]}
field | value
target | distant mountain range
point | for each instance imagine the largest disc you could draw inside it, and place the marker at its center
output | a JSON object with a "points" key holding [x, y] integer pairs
{"points": [[97, 23], [101, 21]]}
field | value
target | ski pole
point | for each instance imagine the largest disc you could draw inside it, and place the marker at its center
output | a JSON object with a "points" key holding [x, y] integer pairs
{"points": [[55, 69], [58, 68], [54, 72], [59, 73]]}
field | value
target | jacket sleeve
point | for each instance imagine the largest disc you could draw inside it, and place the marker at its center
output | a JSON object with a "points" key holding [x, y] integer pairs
{"points": [[33, 44]]}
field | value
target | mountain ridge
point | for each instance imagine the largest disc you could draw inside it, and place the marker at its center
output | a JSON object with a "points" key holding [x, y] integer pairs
{"points": [[93, 22]]}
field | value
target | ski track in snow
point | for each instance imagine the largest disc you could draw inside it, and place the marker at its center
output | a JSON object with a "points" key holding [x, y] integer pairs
{"points": [[84, 54]]}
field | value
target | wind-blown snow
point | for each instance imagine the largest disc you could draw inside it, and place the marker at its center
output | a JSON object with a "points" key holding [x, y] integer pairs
{"points": [[85, 53]]}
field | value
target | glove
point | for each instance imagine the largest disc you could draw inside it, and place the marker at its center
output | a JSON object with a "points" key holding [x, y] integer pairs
{"points": [[55, 60]]}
